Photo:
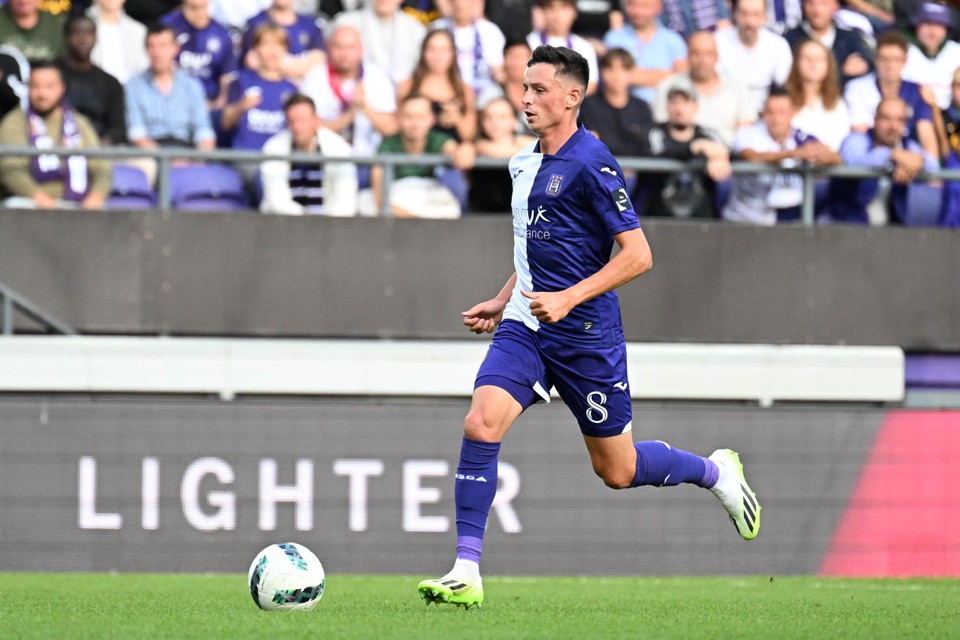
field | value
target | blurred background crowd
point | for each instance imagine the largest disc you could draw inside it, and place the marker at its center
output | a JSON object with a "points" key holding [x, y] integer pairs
{"points": [[862, 83]]}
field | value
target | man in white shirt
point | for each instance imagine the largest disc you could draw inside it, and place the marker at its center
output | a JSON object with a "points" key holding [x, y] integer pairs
{"points": [[761, 198], [120, 50], [752, 52], [479, 43], [296, 188], [725, 103], [932, 59], [391, 38], [354, 98], [558, 19]]}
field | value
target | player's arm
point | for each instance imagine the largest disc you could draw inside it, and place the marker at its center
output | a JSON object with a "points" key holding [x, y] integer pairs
{"points": [[484, 317], [633, 259]]}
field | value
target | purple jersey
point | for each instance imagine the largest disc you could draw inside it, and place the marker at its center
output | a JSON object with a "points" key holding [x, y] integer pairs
{"points": [[303, 35], [267, 118], [207, 54], [566, 210]]}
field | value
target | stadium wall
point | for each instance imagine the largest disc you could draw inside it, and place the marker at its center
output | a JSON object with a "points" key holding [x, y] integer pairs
{"points": [[246, 274], [97, 483]]}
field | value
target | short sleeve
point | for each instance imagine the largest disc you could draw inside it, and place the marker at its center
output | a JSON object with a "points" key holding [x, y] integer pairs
{"points": [[606, 193]]}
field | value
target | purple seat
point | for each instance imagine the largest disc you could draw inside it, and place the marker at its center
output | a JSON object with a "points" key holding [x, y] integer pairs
{"points": [[130, 189], [207, 187]]}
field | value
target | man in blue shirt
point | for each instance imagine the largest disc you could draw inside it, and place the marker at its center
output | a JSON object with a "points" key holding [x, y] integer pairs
{"points": [[166, 105], [206, 49], [559, 325]]}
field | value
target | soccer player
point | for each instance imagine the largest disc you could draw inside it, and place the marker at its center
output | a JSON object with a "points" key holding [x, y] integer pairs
{"points": [[559, 325]]}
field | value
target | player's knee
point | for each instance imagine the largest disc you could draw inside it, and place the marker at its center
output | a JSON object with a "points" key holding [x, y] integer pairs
{"points": [[614, 477], [477, 427]]}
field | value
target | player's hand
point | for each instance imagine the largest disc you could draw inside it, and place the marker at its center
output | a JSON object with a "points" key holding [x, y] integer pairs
{"points": [[549, 306], [484, 317]]}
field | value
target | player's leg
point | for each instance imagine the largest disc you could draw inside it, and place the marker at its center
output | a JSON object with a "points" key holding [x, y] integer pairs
{"points": [[623, 463], [592, 382], [492, 412], [511, 378], [656, 463]]}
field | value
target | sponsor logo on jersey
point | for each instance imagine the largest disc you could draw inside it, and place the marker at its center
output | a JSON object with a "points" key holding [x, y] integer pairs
{"points": [[620, 199], [553, 186]]}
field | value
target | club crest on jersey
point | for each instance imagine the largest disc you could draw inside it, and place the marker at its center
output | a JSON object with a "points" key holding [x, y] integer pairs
{"points": [[553, 186]]}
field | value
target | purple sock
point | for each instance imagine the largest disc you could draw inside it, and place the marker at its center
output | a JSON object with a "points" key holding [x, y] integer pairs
{"points": [[476, 486], [660, 465]]}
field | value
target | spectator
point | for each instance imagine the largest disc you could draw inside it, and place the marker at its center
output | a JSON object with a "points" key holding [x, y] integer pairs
{"points": [[166, 106], [63, 8], [415, 192], [255, 100], [50, 181], [849, 50], [951, 118], [149, 11], [424, 11], [90, 90], [879, 13], [616, 117], [479, 43], [931, 59], [815, 93], [516, 55], [905, 10], [119, 50], [753, 53], [724, 102], [235, 14], [14, 73], [354, 98], [873, 200], [863, 94], [689, 193], [437, 78], [391, 38], [491, 188], [37, 35], [306, 45], [596, 17], [657, 51], [686, 17], [515, 18], [783, 15], [206, 49], [763, 198], [558, 19], [302, 188]]}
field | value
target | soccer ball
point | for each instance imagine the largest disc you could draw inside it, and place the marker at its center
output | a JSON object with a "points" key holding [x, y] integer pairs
{"points": [[287, 577]]}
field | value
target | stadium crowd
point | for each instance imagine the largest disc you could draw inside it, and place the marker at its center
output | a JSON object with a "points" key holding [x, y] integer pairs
{"points": [[872, 83]]}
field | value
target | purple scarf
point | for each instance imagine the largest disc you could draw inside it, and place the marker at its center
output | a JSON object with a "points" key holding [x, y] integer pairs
{"points": [[72, 170]]}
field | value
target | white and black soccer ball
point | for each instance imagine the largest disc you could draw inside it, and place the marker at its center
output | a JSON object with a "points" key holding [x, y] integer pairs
{"points": [[286, 577]]}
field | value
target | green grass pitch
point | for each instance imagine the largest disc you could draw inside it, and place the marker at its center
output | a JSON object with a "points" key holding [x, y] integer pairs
{"points": [[219, 606]]}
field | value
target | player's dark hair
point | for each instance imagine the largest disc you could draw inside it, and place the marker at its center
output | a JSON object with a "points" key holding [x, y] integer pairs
{"points": [[617, 54], [299, 98], [569, 63]]}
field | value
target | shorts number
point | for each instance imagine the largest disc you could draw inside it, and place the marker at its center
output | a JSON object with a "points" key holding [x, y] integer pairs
{"points": [[597, 413]]}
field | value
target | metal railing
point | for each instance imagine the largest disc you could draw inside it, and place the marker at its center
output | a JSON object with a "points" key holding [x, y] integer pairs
{"points": [[166, 158], [11, 301]]}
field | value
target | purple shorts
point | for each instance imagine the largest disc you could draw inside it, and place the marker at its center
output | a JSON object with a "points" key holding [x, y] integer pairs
{"points": [[592, 381]]}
